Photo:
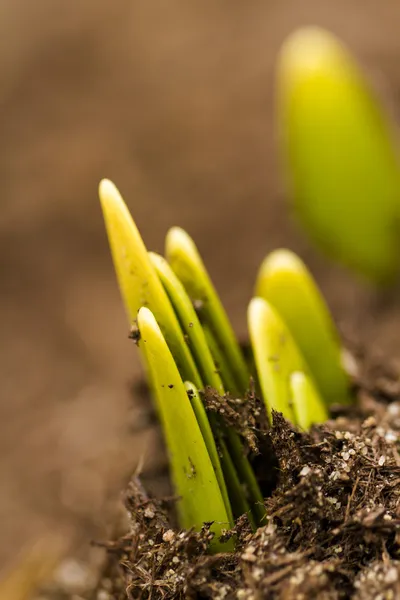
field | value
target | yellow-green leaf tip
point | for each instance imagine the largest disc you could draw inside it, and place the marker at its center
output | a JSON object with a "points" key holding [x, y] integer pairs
{"points": [[177, 236], [107, 189], [111, 201], [306, 51], [145, 318]]}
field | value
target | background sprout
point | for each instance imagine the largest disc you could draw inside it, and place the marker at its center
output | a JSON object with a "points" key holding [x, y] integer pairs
{"points": [[185, 260], [191, 469], [286, 283], [339, 155]]}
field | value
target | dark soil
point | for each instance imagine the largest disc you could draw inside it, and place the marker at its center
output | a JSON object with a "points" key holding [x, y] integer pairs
{"points": [[333, 526]]}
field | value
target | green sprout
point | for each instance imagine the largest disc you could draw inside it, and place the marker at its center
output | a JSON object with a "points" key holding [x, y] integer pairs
{"points": [[339, 154], [282, 278], [276, 356], [189, 346], [138, 281], [191, 468], [186, 261]]}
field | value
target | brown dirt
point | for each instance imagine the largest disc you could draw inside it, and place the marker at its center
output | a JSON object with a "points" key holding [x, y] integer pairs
{"points": [[174, 101], [332, 529]]}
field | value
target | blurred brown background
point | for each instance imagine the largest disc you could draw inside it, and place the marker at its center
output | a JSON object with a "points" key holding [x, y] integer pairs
{"points": [[173, 99]]}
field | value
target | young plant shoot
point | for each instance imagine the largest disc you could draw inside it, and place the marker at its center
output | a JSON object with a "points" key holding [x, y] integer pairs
{"points": [[288, 286], [192, 473], [185, 260], [138, 281], [188, 345], [276, 356], [339, 154]]}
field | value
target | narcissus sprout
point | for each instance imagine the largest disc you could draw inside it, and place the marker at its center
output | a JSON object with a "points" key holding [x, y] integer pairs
{"points": [[188, 344], [339, 154]]}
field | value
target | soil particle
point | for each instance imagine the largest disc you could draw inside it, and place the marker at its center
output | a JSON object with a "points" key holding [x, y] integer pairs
{"points": [[380, 581], [134, 334]]}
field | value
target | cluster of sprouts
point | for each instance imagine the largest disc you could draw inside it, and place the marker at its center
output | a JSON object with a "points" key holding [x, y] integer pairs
{"points": [[188, 344], [342, 167]]}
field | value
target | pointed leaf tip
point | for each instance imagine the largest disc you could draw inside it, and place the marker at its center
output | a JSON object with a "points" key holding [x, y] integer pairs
{"points": [[177, 236], [109, 194], [307, 49], [105, 186], [145, 318]]}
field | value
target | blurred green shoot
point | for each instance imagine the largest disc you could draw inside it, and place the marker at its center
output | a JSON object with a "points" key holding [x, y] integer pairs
{"points": [[286, 283], [192, 472], [339, 154]]}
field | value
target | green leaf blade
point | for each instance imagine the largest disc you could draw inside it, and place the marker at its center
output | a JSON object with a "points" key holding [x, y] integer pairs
{"points": [[208, 437], [200, 350], [246, 474], [185, 260], [239, 502], [138, 281], [189, 322], [192, 472], [276, 356], [285, 282]]}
